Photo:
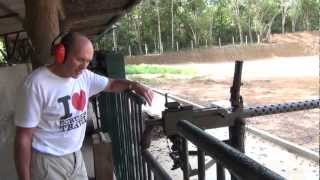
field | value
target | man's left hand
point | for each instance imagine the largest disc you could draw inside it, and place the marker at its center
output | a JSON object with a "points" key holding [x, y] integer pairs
{"points": [[144, 91]]}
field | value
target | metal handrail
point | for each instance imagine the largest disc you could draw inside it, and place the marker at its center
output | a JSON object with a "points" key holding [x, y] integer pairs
{"points": [[154, 166], [240, 165], [137, 98]]}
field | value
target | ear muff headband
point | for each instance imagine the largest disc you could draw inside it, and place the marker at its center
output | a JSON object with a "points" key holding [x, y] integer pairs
{"points": [[59, 50]]}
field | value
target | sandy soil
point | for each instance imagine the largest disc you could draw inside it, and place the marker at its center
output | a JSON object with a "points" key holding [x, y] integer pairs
{"points": [[279, 45], [264, 82]]}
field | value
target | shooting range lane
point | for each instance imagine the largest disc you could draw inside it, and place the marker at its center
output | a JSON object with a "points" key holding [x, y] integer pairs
{"points": [[273, 156]]}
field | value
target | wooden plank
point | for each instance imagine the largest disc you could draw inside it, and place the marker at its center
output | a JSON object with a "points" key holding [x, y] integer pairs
{"points": [[92, 7], [9, 25], [102, 151], [10, 15], [8, 8]]}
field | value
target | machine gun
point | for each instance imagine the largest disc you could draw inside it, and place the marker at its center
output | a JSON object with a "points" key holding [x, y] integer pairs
{"points": [[213, 117]]}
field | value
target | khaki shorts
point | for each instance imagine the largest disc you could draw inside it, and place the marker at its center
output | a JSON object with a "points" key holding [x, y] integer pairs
{"points": [[49, 167]]}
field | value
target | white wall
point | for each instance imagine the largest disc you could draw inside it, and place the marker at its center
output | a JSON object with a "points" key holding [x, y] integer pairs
{"points": [[10, 78]]}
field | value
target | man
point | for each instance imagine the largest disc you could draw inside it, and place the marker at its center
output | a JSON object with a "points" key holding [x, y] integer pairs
{"points": [[52, 110]]}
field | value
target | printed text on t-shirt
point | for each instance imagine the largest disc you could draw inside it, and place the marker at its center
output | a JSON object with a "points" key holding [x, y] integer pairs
{"points": [[73, 122]]}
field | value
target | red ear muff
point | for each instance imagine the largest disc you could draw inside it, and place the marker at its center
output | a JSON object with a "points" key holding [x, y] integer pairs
{"points": [[59, 53]]}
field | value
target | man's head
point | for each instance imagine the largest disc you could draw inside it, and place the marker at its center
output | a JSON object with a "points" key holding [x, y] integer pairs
{"points": [[79, 53]]}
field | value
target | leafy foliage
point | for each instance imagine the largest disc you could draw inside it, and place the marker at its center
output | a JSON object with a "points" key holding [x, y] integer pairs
{"points": [[203, 22], [2, 50]]}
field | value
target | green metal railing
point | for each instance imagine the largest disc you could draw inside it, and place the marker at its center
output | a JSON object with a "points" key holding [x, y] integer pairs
{"points": [[120, 114], [121, 117]]}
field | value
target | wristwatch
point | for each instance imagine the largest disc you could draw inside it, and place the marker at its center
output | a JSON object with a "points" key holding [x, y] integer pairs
{"points": [[131, 84]]}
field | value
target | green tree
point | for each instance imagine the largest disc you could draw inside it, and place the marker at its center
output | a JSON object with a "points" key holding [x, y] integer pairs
{"points": [[161, 25]]}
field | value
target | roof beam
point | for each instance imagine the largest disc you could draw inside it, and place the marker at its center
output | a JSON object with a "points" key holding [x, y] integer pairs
{"points": [[10, 15], [10, 11], [84, 16], [10, 33]]}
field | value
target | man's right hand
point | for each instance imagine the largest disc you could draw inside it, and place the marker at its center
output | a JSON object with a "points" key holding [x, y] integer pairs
{"points": [[22, 152]]}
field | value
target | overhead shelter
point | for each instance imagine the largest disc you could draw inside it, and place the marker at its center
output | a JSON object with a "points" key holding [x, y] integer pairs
{"points": [[41, 21], [28, 28]]}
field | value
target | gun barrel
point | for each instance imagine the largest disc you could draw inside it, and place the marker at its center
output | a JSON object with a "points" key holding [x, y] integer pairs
{"points": [[279, 108]]}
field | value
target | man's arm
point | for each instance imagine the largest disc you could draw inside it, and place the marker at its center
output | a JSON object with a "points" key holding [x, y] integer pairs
{"points": [[119, 85], [22, 152]]}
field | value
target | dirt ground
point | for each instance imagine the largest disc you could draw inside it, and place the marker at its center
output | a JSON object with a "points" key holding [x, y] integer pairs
{"points": [[300, 127], [280, 45]]}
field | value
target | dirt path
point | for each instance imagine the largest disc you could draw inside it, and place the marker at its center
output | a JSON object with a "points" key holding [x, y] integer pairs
{"points": [[264, 82]]}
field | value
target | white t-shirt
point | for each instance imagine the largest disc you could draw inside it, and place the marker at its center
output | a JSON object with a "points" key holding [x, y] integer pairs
{"points": [[57, 108]]}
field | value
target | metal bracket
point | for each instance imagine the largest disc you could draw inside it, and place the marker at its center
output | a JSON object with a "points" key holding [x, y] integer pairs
{"points": [[206, 118]]}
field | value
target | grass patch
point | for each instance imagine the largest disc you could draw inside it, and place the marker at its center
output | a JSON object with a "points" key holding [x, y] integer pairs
{"points": [[158, 69]]}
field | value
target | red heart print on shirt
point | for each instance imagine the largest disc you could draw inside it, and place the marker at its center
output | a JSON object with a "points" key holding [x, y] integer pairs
{"points": [[79, 100]]}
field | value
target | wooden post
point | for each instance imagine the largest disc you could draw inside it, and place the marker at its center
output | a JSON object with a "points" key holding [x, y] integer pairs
{"points": [[206, 43], [258, 39], [219, 42], [42, 25], [155, 45], [146, 48], [161, 48], [129, 49], [177, 43], [233, 40], [191, 45], [114, 39], [246, 40]]}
